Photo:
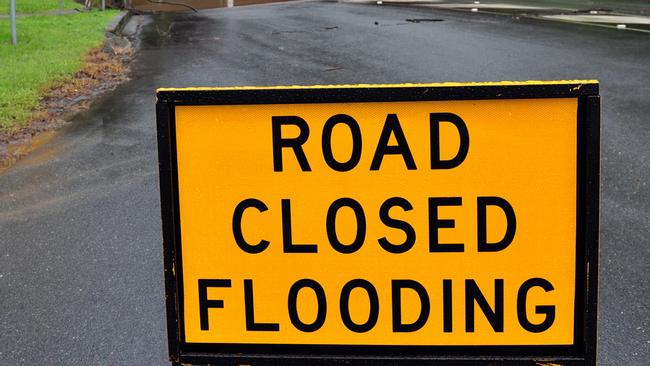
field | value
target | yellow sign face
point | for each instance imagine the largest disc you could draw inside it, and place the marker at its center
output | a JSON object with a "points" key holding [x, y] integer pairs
{"points": [[378, 223]]}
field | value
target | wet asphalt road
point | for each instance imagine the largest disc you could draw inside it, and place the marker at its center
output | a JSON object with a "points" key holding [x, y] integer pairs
{"points": [[81, 279]]}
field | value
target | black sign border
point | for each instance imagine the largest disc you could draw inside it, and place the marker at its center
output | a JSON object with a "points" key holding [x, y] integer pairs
{"points": [[582, 352]]}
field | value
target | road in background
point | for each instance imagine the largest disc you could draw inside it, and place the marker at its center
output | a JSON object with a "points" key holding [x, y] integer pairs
{"points": [[625, 6], [81, 278], [189, 5]]}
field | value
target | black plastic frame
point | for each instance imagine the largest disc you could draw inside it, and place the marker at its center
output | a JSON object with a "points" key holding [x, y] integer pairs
{"points": [[582, 352]]}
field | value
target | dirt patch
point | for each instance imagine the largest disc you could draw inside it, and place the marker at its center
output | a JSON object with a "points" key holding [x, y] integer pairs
{"points": [[105, 68]]}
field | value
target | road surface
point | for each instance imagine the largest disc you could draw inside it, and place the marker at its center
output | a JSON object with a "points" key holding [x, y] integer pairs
{"points": [[81, 279]]}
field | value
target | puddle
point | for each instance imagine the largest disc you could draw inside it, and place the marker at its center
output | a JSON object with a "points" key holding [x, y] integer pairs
{"points": [[421, 20]]}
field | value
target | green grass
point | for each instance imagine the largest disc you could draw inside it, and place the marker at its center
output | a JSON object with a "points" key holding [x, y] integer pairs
{"points": [[37, 6], [49, 49]]}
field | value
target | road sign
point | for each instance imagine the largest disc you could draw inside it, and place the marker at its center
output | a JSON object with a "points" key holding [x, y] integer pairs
{"points": [[452, 223]]}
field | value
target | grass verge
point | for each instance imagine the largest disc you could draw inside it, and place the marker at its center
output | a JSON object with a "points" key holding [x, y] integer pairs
{"points": [[37, 6], [50, 49]]}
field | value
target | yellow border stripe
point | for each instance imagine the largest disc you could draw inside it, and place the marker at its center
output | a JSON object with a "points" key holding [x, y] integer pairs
{"points": [[408, 85]]}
